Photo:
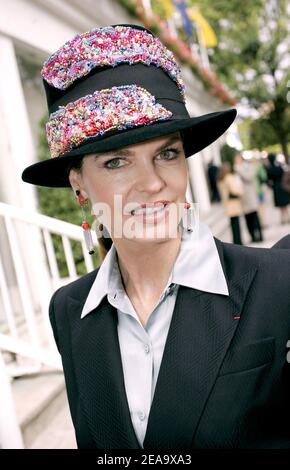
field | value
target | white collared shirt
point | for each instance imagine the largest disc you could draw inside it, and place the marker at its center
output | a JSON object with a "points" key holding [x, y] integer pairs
{"points": [[197, 266]]}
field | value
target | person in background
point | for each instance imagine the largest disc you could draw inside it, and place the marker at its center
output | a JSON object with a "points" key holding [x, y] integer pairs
{"points": [[249, 198], [261, 179], [231, 189], [281, 197], [212, 171]]}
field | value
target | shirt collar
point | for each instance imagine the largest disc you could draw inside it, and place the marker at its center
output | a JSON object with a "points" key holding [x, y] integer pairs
{"points": [[197, 266]]}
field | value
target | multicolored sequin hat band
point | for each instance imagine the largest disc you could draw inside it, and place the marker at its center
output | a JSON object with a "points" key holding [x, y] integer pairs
{"points": [[108, 47], [93, 115]]}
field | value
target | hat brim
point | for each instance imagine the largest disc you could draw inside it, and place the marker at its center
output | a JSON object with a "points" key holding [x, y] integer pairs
{"points": [[200, 132]]}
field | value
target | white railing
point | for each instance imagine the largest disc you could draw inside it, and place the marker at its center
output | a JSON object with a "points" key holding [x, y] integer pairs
{"points": [[10, 434], [29, 274]]}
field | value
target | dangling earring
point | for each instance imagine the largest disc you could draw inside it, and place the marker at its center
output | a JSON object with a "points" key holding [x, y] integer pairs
{"points": [[85, 224], [188, 217]]}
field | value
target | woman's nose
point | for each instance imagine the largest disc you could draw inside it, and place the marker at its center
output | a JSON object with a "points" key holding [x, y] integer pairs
{"points": [[149, 180]]}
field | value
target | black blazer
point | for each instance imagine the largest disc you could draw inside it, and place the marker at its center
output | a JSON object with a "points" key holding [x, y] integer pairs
{"points": [[224, 380]]}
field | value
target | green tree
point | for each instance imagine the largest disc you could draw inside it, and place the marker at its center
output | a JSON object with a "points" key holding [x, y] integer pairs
{"points": [[252, 56], [261, 134]]}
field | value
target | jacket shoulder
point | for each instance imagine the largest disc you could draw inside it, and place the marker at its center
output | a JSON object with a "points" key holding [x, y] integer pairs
{"points": [[273, 262], [283, 243], [78, 290]]}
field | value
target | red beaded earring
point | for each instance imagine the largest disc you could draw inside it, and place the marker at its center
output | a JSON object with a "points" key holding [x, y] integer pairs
{"points": [[85, 224], [188, 217]]}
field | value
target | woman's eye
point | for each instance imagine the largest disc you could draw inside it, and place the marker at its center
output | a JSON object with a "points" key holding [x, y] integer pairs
{"points": [[114, 163], [169, 154]]}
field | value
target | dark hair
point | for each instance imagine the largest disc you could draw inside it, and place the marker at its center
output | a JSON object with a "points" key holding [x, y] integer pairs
{"points": [[271, 157], [106, 242]]}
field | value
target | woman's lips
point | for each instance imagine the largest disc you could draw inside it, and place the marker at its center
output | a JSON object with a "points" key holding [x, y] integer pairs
{"points": [[152, 215], [142, 208]]}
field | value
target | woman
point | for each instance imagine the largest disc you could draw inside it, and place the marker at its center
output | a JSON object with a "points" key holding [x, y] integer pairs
{"points": [[261, 179], [175, 328], [245, 170], [231, 191]]}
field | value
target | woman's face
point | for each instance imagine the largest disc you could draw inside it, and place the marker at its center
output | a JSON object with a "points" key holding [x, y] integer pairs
{"points": [[152, 173]]}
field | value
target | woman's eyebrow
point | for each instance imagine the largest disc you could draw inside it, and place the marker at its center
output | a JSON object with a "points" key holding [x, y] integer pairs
{"points": [[123, 152], [113, 153], [172, 140]]}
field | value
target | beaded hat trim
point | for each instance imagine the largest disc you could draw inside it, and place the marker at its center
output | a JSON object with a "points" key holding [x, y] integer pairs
{"points": [[115, 108], [108, 46]]}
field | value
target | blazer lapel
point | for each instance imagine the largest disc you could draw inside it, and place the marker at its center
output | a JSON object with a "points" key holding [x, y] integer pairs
{"points": [[201, 330], [99, 374]]}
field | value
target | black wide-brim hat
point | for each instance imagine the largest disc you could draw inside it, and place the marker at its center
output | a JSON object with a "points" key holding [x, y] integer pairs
{"points": [[197, 132]]}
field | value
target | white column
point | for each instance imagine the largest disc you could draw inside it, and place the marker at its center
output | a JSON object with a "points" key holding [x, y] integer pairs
{"points": [[198, 182], [188, 194], [216, 152], [16, 152], [16, 142]]}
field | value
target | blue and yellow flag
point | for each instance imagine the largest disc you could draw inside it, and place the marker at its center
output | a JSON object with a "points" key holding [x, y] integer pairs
{"points": [[168, 8], [208, 34], [186, 21]]}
